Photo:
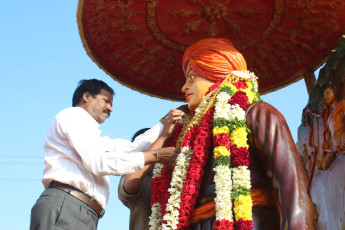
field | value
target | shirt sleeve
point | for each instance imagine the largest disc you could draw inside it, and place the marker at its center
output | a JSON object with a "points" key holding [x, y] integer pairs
{"points": [[138, 203], [145, 140], [102, 155], [126, 198]]}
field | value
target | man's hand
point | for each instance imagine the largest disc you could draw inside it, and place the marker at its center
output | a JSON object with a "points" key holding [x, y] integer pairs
{"points": [[165, 156], [184, 108], [170, 120]]}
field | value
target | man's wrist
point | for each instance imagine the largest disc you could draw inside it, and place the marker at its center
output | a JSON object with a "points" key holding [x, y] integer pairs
{"points": [[156, 151], [150, 157]]}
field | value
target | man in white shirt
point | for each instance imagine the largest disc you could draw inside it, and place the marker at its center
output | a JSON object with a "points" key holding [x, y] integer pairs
{"points": [[78, 160]]}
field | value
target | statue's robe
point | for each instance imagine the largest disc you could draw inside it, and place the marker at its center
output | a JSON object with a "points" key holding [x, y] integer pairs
{"points": [[279, 182]]}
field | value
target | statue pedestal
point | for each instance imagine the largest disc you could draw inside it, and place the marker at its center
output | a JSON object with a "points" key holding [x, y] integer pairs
{"points": [[328, 196]]}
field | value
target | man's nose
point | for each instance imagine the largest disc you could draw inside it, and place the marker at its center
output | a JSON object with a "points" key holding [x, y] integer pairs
{"points": [[110, 107]]}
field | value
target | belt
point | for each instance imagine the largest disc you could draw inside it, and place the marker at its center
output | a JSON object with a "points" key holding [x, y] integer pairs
{"points": [[80, 196]]}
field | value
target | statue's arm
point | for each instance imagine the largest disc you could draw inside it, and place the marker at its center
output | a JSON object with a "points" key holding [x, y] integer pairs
{"points": [[277, 152]]}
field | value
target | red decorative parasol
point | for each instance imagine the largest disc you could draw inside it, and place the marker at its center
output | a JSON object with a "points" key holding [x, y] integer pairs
{"points": [[140, 43]]}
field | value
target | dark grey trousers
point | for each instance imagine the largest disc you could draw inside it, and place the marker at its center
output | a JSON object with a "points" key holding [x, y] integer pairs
{"points": [[56, 209]]}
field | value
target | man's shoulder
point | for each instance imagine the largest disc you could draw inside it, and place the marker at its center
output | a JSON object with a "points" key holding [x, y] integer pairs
{"points": [[71, 111], [71, 115]]}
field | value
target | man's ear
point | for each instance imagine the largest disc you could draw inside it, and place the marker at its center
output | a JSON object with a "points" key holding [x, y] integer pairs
{"points": [[86, 97]]}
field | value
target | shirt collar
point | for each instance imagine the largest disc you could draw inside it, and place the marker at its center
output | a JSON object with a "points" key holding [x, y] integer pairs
{"points": [[93, 120]]}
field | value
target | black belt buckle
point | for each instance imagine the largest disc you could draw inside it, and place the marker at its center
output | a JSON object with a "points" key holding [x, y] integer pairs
{"points": [[102, 213]]}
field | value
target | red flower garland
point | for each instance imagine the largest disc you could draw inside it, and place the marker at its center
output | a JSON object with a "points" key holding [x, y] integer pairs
{"points": [[223, 225], [195, 170], [241, 85], [161, 184], [214, 86], [239, 156], [221, 139], [199, 138], [239, 98], [244, 224], [171, 142]]}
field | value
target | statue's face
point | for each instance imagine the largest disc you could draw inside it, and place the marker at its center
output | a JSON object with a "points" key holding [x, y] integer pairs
{"points": [[329, 96], [195, 88]]}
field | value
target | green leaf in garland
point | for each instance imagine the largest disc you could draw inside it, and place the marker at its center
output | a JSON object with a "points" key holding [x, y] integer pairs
{"points": [[257, 97], [227, 89], [256, 94], [234, 124], [221, 122], [239, 191], [222, 160]]}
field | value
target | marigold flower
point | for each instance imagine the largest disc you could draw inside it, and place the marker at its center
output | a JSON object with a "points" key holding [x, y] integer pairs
{"points": [[221, 151], [250, 95], [239, 137], [243, 207], [218, 130]]}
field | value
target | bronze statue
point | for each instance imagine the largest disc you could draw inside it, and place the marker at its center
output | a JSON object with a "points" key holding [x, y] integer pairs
{"points": [[267, 188], [334, 128]]}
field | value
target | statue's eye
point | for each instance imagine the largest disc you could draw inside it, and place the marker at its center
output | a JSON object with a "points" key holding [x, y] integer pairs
{"points": [[191, 76]]}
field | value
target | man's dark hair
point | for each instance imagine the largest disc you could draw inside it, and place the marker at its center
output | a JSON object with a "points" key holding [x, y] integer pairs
{"points": [[93, 86], [141, 131]]}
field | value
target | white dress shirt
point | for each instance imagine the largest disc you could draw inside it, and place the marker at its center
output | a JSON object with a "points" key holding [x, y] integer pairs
{"points": [[77, 155]]}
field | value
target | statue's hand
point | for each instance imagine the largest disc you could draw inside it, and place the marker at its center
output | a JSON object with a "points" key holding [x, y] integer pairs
{"points": [[341, 146], [325, 145], [326, 159]]}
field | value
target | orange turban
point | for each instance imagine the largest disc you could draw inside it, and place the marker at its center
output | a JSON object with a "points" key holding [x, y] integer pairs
{"points": [[213, 58]]}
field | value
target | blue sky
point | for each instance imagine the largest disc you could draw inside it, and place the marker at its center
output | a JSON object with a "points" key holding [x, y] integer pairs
{"points": [[42, 59]]}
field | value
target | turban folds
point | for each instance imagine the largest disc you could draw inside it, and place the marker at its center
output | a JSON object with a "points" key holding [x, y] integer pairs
{"points": [[213, 58]]}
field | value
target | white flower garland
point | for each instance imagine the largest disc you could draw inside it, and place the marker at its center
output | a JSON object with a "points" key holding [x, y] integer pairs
{"points": [[241, 177], [223, 196], [175, 190], [156, 219]]}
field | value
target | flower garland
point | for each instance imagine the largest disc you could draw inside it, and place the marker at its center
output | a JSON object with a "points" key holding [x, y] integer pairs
{"points": [[175, 190], [230, 146]]}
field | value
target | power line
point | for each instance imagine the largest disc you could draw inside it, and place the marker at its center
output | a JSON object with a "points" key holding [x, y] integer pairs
{"points": [[24, 179], [18, 179], [21, 163], [18, 156]]}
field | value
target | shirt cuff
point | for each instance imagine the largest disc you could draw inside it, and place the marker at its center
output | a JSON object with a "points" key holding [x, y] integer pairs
{"points": [[122, 191], [159, 126], [141, 161]]}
